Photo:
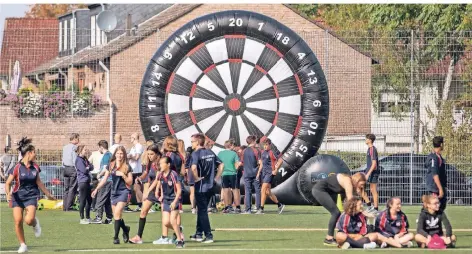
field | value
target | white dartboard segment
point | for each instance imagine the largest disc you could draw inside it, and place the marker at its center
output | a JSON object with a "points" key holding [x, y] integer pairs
{"points": [[218, 50], [198, 103], [260, 86], [209, 85], [280, 138], [244, 74], [177, 103], [186, 134], [189, 70], [270, 104], [207, 123], [225, 74], [280, 71], [243, 132], [252, 50], [290, 104], [225, 131], [260, 123]]}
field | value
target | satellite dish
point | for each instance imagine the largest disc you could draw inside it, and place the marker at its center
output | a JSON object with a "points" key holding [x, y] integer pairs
{"points": [[106, 21]]}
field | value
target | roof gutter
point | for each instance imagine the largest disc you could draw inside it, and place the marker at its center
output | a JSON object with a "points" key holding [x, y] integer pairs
{"points": [[37, 78], [110, 102]]}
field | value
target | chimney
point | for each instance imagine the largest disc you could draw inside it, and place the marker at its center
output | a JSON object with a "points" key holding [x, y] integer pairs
{"points": [[128, 25]]}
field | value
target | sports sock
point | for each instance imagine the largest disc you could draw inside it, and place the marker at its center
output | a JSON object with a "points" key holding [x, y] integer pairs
{"points": [[122, 224], [117, 228], [142, 222]]}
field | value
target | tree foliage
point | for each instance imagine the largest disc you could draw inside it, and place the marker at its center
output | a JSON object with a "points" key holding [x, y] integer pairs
{"points": [[51, 10]]}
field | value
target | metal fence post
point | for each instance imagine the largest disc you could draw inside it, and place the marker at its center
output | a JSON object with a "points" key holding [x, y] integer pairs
{"points": [[412, 115]]}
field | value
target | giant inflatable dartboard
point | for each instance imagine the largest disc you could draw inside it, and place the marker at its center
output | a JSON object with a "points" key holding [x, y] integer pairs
{"points": [[235, 73]]}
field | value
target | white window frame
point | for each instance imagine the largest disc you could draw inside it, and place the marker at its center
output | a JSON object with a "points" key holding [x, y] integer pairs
{"points": [[92, 31], [72, 33], [389, 97], [60, 36], [65, 36], [98, 33]]}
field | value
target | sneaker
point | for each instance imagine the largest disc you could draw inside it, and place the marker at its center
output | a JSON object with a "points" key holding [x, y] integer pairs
{"points": [[116, 241], [247, 212], [383, 245], [137, 209], [181, 211], [409, 244], [228, 210], [97, 221], [23, 248], [108, 221], [174, 238], [194, 211], [162, 240], [346, 246], [197, 238], [127, 209], [136, 240], [370, 245], [37, 228], [236, 211], [208, 240], [281, 208], [369, 209], [85, 221], [182, 236], [260, 211], [253, 210], [152, 210], [330, 242], [126, 234], [180, 244]]}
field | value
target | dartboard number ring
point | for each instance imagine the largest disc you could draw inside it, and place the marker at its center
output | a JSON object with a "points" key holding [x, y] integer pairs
{"points": [[233, 74]]}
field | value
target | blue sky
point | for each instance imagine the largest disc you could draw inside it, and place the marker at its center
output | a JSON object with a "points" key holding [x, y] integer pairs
{"points": [[10, 10]]}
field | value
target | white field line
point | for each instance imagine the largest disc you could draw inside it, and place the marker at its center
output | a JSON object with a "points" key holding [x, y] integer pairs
{"points": [[307, 229]]}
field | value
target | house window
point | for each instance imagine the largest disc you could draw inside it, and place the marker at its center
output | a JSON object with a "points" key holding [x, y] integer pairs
{"points": [[390, 103], [98, 37], [60, 36], [72, 33], [65, 35]]}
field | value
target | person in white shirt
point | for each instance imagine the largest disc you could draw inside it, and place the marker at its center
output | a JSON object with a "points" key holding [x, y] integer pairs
{"points": [[116, 143], [134, 159], [95, 159]]}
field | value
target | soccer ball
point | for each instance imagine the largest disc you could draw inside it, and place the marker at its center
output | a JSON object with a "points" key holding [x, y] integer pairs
{"points": [[220, 206], [40, 206]]}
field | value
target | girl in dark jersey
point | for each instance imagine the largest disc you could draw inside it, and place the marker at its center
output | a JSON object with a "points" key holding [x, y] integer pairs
{"points": [[393, 224], [352, 227], [25, 192], [431, 222], [170, 188], [149, 197], [83, 167], [267, 169], [326, 191], [170, 149], [122, 178]]}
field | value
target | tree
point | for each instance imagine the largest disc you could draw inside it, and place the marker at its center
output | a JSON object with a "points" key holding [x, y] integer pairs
{"points": [[51, 10]]}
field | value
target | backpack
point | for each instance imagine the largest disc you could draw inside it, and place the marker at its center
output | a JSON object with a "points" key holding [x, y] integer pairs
{"points": [[436, 243]]}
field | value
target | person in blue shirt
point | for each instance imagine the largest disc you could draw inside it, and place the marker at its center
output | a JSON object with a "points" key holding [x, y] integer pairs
{"points": [[169, 188], [267, 169], [104, 194], [436, 176], [25, 193], [84, 167], [149, 198], [121, 181], [204, 164], [251, 156], [372, 173], [393, 224]]}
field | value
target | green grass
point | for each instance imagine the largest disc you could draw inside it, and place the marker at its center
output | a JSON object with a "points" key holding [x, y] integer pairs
{"points": [[62, 232]]}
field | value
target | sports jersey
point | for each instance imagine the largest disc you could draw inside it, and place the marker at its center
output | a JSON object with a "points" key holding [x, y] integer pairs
{"points": [[431, 224], [435, 165], [169, 184], [206, 162], [388, 226], [269, 159], [352, 224], [177, 161], [229, 158], [250, 160], [25, 181], [105, 162], [119, 185], [152, 172], [372, 155], [83, 167]]}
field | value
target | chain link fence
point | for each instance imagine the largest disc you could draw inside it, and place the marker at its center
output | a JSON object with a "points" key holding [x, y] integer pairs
{"points": [[403, 86]]}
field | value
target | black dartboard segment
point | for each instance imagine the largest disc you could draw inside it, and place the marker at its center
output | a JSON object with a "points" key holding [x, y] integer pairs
{"points": [[233, 74]]}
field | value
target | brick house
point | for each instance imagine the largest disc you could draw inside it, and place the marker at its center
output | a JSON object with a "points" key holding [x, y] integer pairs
{"points": [[127, 55], [31, 41]]}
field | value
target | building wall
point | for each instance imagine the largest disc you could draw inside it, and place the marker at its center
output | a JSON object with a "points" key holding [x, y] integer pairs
{"points": [[348, 71]]}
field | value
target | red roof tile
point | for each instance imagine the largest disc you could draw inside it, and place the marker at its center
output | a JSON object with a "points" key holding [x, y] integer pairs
{"points": [[30, 41]]}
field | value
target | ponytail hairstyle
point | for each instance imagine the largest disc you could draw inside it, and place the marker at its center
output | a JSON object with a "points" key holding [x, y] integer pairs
{"points": [[351, 205], [181, 148], [124, 168], [390, 202], [79, 150], [25, 146]]}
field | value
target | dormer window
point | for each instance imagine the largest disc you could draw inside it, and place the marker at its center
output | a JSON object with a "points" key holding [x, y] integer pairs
{"points": [[97, 36]]}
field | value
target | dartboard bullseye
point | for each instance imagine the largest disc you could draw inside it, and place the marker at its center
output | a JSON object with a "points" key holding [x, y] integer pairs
{"points": [[234, 74]]}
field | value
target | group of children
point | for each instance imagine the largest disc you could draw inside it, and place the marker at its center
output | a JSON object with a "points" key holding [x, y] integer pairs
{"points": [[391, 226]]}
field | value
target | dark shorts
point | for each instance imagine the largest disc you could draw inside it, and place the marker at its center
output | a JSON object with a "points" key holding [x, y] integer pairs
{"points": [[152, 197], [120, 197], [374, 177], [166, 206], [229, 181], [266, 177], [23, 203], [190, 179]]}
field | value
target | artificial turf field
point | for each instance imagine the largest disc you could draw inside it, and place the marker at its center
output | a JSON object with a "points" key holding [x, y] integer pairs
{"points": [[300, 229]]}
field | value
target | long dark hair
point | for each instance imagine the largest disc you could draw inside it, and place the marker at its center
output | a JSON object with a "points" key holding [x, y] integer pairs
{"points": [[156, 150], [124, 168], [24, 146]]}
